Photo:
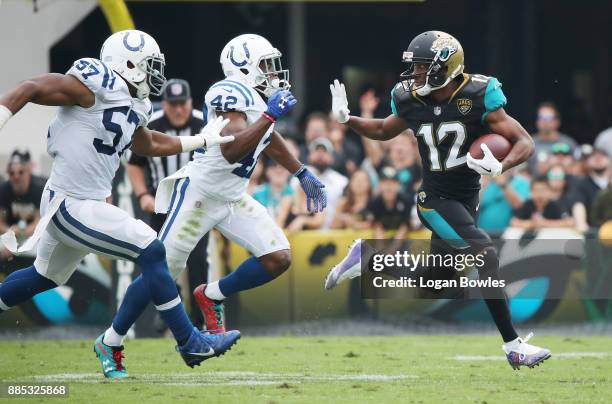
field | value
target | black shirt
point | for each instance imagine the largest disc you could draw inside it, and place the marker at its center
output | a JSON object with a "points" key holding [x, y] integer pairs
{"points": [[390, 219], [586, 191], [25, 207], [445, 131], [552, 211], [157, 168]]}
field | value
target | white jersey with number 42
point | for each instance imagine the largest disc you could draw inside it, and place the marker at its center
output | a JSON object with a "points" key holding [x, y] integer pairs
{"points": [[87, 143], [217, 177]]}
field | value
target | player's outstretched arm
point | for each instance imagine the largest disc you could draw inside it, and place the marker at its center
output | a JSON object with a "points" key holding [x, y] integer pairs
{"points": [[248, 136], [151, 143], [376, 129], [522, 144], [49, 89], [316, 197]]}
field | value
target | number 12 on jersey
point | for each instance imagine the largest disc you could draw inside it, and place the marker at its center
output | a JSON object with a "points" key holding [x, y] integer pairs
{"points": [[444, 129]]}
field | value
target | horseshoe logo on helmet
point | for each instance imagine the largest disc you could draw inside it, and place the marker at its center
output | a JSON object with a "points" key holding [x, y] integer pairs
{"points": [[133, 48], [246, 53]]}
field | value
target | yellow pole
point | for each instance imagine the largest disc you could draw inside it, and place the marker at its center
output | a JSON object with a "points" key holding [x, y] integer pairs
{"points": [[117, 14]]}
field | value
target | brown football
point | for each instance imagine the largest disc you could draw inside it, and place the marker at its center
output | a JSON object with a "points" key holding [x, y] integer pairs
{"points": [[499, 146]]}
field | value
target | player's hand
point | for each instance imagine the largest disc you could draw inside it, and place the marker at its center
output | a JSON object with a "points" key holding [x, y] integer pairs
{"points": [[147, 203], [280, 103], [316, 197], [339, 102], [488, 165], [211, 133]]}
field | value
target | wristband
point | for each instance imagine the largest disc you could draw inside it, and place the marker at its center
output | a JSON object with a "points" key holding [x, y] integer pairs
{"points": [[269, 117], [191, 143], [300, 170], [5, 115]]}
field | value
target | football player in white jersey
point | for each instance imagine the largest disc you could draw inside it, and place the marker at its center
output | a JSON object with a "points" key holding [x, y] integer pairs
{"points": [[104, 110], [210, 192]]}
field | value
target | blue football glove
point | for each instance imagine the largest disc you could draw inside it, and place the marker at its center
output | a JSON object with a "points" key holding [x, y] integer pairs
{"points": [[316, 197], [280, 103]]}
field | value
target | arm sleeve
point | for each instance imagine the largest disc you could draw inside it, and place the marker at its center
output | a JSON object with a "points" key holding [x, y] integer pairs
{"points": [[494, 97], [137, 160]]}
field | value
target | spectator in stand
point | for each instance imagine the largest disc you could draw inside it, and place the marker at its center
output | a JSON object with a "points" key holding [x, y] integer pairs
{"points": [[391, 209], [352, 209], [587, 188], [20, 199], [257, 177], [275, 194], [559, 184], [321, 159], [601, 211], [500, 196], [316, 126], [347, 154], [541, 211], [603, 141], [548, 123]]}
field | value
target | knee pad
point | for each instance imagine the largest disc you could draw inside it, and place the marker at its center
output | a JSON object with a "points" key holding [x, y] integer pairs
{"points": [[154, 253]]}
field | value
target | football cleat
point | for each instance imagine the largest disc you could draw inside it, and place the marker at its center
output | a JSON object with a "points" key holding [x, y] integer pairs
{"points": [[212, 310], [202, 346], [348, 268], [519, 352], [110, 358]]}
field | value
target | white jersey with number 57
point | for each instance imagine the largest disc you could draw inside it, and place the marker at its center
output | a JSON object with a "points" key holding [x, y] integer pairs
{"points": [[87, 143], [217, 177]]}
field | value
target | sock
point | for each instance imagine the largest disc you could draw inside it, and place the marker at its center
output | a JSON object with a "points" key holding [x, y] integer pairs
{"points": [[213, 291], [248, 275], [136, 299], [495, 298], [163, 291], [22, 285], [178, 322], [112, 338]]}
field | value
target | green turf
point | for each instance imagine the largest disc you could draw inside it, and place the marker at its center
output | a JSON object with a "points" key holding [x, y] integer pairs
{"points": [[418, 369]]}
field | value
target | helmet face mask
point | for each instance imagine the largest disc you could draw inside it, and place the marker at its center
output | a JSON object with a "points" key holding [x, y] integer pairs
{"points": [[153, 66], [434, 59], [272, 75]]}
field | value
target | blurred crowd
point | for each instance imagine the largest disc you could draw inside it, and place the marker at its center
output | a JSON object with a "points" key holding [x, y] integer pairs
{"points": [[369, 184]]}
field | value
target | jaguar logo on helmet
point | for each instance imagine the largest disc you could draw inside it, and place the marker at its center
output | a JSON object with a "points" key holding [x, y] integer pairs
{"points": [[445, 47]]}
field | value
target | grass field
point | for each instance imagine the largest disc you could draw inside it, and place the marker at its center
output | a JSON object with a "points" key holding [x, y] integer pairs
{"points": [[419, 369]]}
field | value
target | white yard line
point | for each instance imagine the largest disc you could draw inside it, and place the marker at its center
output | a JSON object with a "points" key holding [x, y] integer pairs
{"points": [[224, 378], [560, 355]]}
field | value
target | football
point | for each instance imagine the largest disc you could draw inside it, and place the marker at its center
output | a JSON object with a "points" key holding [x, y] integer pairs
{"points": [[499, 146]]}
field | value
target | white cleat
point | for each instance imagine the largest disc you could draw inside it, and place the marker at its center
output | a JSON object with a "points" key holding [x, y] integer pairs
{"points": [[348, 268], [519, 352]]}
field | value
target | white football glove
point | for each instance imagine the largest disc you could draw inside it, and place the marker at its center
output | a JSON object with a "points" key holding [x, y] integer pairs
{"points": [[339, 102], [209, 136], [488, 165]]}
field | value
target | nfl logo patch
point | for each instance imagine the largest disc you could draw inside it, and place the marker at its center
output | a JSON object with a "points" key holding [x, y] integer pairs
{"points": [[176, 89], [437, 110], [464, 105]]}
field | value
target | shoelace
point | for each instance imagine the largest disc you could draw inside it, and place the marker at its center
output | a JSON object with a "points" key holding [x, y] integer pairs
{"points": [[117, 357], [527, 338]]}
